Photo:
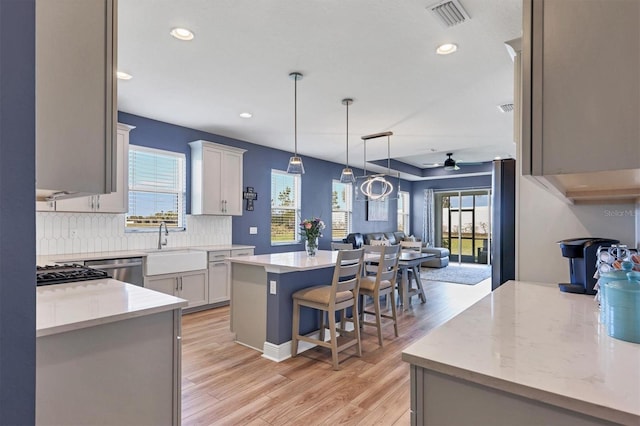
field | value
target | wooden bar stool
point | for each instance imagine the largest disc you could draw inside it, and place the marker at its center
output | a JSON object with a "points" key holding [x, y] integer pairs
{"points": [[337, 297], [383, 283]]}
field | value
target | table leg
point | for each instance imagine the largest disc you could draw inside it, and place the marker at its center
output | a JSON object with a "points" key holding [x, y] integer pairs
{"points": [[405, 288], [416, 274]]}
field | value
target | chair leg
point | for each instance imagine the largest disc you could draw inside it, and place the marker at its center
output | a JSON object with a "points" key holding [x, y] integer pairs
{"points": [[393, 312], [356, 328], [322, 326], [376, 304], [334, 339], [295, 329]]}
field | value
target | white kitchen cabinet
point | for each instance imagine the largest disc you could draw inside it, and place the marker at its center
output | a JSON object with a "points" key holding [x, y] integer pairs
{"points": [[220, 273], [192, 286], [45, 206], [115, 202], [75, 105], [581, 97], [216, 179], [218, 276]]}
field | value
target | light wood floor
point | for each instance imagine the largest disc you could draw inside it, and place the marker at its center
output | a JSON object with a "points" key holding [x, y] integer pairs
{"points": [[226, 383]]}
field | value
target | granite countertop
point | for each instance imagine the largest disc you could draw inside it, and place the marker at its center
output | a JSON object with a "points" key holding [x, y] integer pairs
{"points": [[66, 307], [290, 261], [531, 340]]}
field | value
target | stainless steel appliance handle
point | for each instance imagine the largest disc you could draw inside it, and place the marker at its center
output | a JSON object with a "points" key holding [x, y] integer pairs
{"points": [[116, 265]]}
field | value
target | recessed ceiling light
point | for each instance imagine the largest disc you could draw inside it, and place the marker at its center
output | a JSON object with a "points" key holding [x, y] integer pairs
{"points": [[123, 75], [497, 158], [182, 34], [446, 49], [246, 115]]}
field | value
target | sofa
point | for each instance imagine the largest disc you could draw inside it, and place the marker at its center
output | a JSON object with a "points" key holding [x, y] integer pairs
{"points": [[441, 254]]}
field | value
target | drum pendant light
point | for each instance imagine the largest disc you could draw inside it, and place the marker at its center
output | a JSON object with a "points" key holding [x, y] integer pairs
{"points": [[347, 175], [295, 163]]}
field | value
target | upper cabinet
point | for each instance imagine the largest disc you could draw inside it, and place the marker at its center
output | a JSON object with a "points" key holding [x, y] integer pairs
{"points": [[75, 97], [581, 97], [216, 179], [118, 200]]}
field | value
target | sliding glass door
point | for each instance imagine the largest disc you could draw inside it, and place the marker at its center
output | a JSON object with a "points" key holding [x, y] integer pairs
{"points": [[465, 224]]}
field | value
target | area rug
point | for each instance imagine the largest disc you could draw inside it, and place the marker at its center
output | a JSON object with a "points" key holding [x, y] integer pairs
{"points": [[468, 275]]}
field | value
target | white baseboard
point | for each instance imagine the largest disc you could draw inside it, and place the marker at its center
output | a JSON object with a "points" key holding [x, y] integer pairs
{"points": [[279, 353]]}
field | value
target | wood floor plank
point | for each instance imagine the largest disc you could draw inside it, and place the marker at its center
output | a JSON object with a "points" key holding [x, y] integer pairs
{"points": [[226, 383]]}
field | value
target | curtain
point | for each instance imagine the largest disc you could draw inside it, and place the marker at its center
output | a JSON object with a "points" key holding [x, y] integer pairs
{"points": [[428, 222]]}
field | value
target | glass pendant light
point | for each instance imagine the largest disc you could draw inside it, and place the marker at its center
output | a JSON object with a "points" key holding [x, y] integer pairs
{"points": [[295, 163], [347, 175]]}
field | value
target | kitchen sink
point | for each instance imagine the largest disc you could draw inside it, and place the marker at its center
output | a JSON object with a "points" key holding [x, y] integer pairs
{"points": [[169, 261]]}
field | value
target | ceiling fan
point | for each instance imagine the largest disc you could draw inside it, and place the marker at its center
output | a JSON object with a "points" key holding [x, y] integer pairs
{"points": [[450, 163]]}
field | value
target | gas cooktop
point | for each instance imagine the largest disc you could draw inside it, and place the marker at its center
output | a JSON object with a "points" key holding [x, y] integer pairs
{"points": [[58, 274]]}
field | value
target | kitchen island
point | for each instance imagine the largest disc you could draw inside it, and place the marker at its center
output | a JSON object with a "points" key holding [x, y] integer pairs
{"points": [[261, 303], [525, 354], [107, 352]]}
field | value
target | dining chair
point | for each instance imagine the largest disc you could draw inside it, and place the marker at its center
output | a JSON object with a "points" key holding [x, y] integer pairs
{"points": [[341, 246], [330, 299], [382, 283]]}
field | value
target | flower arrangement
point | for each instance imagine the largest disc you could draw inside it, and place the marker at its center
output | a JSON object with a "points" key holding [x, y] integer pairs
{"points": [[310, 230]]}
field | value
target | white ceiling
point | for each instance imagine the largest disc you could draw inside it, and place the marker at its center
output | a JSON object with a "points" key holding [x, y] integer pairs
{"points": [[381, 53]]}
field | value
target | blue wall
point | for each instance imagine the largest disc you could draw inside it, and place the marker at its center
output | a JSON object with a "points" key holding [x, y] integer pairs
{"points": [[17, 212], [453, 184], [258, 162]]}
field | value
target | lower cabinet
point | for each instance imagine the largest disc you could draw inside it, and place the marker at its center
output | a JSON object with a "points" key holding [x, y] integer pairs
{"points": [[219, 273], [191, 286]]}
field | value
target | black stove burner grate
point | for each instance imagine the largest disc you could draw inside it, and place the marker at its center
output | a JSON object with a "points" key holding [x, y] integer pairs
{"points": [[58, 274]]}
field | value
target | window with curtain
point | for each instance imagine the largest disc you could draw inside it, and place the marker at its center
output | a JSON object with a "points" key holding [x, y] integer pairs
{"points": [[157, 185], [285, 207], [341, 202], [403, 212]]}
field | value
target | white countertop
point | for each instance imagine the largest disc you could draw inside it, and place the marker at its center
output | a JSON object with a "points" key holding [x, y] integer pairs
{"points": [[72, 306], [290, 261], [532, 340], [121, 254]]}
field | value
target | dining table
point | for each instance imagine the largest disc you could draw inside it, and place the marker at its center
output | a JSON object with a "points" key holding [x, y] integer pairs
{"points": [[410, 260]]}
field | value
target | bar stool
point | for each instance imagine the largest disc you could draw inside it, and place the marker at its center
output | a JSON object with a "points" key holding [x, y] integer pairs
{"points": [[380, 284], [341, 246], [337, 297]]}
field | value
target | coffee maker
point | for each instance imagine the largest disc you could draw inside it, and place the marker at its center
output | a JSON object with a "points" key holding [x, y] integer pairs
{"points": [[582, 263]]}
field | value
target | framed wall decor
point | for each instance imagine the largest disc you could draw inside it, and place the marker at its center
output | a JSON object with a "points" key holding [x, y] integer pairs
{"points": [[378, 210]]}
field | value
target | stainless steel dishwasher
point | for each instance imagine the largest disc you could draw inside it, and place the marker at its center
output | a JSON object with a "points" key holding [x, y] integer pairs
{"points": [[128, 270]]}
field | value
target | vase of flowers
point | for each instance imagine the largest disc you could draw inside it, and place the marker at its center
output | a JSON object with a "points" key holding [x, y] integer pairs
{"points": [[310, 231]]}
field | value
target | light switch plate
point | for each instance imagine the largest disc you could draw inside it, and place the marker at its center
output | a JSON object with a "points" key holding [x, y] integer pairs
{"points": [[253, 230], [272, 287]]}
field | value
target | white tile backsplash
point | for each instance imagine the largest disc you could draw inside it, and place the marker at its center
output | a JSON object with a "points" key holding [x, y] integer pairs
{"points": [[105, 232]]}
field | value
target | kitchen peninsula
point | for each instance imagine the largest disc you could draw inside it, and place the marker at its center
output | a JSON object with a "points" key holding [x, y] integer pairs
{"points": [[525, 354], [107, 352], [261, 304]]}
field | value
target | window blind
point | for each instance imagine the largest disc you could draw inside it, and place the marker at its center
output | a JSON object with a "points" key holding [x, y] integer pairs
{"points": [[157, 182], [285, 207], [341, 209]]}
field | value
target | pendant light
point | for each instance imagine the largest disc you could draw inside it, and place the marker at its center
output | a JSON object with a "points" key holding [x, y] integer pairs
{"points": [[347, 175], [295, 163], [377, 187]]}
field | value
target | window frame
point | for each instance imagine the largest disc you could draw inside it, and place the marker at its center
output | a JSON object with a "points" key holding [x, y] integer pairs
{"points": [[348, 210], [180, 191], [297, 203], [405, 213]]}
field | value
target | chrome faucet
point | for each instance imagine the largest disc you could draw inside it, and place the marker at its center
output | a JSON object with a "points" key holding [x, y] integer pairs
{"points": [[166, 233]]}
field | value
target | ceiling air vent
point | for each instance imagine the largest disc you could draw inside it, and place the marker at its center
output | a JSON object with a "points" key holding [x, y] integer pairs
{"points": [[450, 12], [506, 107]]}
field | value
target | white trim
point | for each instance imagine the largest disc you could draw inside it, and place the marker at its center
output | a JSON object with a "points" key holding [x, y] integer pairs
{"points": [[282, 352]]}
